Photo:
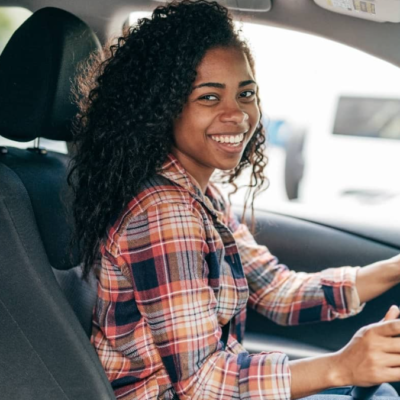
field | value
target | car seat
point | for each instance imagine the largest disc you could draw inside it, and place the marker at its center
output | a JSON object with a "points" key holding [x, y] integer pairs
{"points": [[45, 307]]}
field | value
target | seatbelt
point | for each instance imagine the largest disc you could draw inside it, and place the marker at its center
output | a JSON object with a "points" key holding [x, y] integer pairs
{"points": [[225, 334], [224, 340]]}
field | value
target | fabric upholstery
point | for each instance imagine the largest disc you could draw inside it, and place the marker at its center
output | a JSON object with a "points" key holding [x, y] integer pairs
{"points": [[45, 307], [48, 355], [44, 178]]}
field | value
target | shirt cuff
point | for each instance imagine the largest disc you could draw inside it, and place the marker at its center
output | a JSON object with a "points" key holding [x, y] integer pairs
{"points": [[339, 286]]}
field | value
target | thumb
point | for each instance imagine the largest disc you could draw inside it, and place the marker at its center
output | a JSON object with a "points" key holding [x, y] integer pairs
{"points": [[393, 313]]}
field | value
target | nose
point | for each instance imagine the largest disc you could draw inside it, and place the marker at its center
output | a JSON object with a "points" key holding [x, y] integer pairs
{"points": [[233, 113]]}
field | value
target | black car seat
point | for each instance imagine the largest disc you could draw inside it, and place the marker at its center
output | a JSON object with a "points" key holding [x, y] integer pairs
{"points": [[45, 308]]}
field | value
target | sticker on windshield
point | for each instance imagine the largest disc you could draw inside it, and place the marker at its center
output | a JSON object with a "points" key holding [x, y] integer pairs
{"points": [[364, 6], [346, 4]]}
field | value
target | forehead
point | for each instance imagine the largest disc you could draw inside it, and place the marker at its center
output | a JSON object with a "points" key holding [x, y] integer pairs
{"points": [[221, 64]]}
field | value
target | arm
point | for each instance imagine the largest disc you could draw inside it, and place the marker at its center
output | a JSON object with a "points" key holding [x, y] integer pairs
{"points": [[377, 278], [313, 375], [289, 297], [164, 254], [355, 285]]}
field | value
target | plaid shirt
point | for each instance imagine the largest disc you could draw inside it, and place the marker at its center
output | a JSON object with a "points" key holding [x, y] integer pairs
{"points": [[170, 276]]}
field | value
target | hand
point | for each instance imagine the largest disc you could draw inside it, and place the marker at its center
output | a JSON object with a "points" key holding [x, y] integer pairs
{"points": [[373, 355]]}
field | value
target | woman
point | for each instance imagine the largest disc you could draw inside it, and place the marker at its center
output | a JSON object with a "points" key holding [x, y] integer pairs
{"points": [[176, 100]]}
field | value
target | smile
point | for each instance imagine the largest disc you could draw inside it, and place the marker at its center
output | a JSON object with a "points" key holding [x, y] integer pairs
{"points": [[233, 140]]}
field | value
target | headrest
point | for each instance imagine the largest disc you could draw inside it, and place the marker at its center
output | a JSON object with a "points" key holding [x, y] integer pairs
{"points": [[37, 71]]}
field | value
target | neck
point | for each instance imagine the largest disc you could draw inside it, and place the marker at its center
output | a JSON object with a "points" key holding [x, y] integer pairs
{"points": [[196, 183], [199, 174]]}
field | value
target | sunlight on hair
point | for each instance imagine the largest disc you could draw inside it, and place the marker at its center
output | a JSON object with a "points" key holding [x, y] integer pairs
{"points": [[135, 16]]}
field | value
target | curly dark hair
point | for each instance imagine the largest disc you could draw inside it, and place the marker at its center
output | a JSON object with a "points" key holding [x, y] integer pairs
{"points": [[128, 102]]}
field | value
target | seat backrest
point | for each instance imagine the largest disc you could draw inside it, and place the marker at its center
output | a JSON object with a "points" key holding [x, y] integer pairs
{"points": [[45, 308]]}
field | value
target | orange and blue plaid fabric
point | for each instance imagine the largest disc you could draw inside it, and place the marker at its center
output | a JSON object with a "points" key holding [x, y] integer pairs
{"points": [[175, 267]]}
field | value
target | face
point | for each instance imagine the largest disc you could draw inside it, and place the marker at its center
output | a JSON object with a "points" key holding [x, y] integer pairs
{"points": [[220, 116]]}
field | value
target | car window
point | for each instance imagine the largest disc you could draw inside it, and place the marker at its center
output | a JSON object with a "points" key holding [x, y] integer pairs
{"points": [[11, 18], [306, 84]]}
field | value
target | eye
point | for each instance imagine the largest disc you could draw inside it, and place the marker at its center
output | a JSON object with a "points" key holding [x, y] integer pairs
{"points": [[247, 94], [208, 97]]}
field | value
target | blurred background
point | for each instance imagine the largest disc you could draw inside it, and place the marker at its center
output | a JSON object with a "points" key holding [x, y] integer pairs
{"points": [[332, 115]]}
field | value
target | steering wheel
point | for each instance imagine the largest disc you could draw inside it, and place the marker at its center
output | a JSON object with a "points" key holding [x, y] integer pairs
{"points": [[363, 393]]}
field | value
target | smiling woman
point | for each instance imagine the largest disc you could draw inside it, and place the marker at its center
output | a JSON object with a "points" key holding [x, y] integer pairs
{"points": [[220, 117], [173, 102]]}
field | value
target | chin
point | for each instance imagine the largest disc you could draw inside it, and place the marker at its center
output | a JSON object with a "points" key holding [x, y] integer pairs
{"points": [[227, 166]]}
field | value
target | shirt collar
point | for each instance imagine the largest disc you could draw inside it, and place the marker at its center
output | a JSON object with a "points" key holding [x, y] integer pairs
{"points": [[174, 172]]}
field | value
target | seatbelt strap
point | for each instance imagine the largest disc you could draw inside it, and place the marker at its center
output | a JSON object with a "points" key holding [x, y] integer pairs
{"points": [[224, 339], [225, 333]]}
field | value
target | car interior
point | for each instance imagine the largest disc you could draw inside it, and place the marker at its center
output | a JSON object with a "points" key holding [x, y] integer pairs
{"points": [[45, 306]]}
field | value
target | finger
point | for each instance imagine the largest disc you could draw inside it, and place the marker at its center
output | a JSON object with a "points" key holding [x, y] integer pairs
{"points": [[392, 313], [391, 374], [389, 360], [387, 328], [391, 345]]}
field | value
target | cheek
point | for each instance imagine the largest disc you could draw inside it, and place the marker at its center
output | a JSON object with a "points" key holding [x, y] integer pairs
{"points": [[256, 114], [180, 127], [187, 131], [185, 120], [195, 127], [254, 117]]}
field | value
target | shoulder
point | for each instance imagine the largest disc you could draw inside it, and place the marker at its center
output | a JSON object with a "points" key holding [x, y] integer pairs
{"points": [[161, 205]]}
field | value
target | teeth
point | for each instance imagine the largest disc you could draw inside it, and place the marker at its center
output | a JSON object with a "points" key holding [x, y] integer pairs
{"points": [[234, 140]]}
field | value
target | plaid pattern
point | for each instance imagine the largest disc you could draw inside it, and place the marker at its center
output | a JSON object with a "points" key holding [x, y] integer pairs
{"points": [[170, 276]]}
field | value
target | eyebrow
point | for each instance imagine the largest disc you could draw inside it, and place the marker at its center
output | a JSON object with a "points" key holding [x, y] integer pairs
{"points": [[222, 85]]}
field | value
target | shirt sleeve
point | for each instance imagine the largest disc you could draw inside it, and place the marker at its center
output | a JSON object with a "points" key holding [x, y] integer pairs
{"points": [[292, 298], [165, 251]]}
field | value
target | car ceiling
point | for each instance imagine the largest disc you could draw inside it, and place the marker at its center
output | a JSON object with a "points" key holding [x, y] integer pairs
{"points": [[106, 17]]}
